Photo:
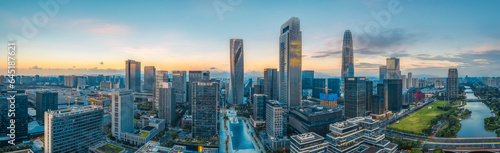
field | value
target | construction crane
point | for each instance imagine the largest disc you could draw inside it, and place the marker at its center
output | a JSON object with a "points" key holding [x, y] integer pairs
{"points": [[334, 105], [93, 99], [69, 98]]}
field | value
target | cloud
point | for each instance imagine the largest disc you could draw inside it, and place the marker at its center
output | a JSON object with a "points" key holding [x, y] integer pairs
{"points": [[213, 68], [367, 66], [36, 67], [102, 63], [323, 54], [389, 40], [110, 29]]}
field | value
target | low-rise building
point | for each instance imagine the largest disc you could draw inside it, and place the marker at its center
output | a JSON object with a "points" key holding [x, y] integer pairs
{"points": [[314, 118], [308, 143]]}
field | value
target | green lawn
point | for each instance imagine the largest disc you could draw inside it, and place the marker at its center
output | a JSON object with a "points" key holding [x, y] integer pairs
{"points": [[419, 120], [144, 134], [109, 148]]}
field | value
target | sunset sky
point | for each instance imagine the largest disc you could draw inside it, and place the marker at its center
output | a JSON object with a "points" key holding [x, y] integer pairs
{"points": [[96, 37]]}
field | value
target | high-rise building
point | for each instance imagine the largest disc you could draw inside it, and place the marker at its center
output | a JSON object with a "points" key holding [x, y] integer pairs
{"points": [[334, 86], [393, 68], [369, 95], [73, 129], [149, 78], [237, 72], [393, 94], [161, 76], [452, 83], [275, 120], [290, 63], [133, 75], [409, 82], [307, 81], [347, 57], [166, 102], [179, 84], [259, 106], [355, 96], [404, 80], [382, 72], [20, 116], [45, 100], [314, 118], [318, 87], [122, 116], [194, 76], [378, 106], [205, 109], [308, 143], [205, 76], [271, 83]]}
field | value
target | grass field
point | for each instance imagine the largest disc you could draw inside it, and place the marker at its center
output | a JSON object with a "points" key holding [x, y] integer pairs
{"points": [[419, 120], [109, 148]]}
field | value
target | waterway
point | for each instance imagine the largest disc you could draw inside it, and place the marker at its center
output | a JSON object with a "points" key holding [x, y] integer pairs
{"points": [[474, 125], [241, 140]]}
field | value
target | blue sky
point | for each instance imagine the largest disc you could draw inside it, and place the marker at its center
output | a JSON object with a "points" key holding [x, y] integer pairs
{"points": [[90, 37]]}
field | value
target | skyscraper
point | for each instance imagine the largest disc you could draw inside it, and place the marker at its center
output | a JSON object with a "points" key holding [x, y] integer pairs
{"points": [[347, 57], [382, 72], [149, 78], [162, 76], [133, 75], [393, 68], [259, 106], [74, 129], [45, 100], [237, 72], [166, 102], [179, 84], [318, 87], [205, 76], [290, 63], [122, 116], [205, 109], [334, 85], [393, 94], [20, 116], [194, 76], [452, 83], [275, 120], [307, 79], [369, 95], [409, 82], [355, 96], [271, 83]]}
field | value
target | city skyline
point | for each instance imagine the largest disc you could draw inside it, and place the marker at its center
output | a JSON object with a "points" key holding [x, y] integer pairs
{"points": [[84, 42]]}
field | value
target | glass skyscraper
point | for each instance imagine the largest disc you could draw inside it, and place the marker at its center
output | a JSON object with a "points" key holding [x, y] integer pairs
{"points": [[347, 57], [133, 75], [290, 68], [237, 72], [149, 78]]}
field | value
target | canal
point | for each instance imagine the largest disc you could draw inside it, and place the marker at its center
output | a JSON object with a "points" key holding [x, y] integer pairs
{"points": [[474, 125]]}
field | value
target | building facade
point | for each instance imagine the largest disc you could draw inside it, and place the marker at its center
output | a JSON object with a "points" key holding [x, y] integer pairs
{"points": [[133, 75], [45, 100], [308, 143], [237, 72], [347, 57], [166, 103], [180, 86], [149, 78], [315, 118], [452, 83], [122, 112], [355, 96], [271, 83], [205, 109], [290, 63]]}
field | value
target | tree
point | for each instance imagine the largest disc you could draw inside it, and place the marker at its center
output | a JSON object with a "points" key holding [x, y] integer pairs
{"points": [[425, 149], [174, 135], [416, 150], [438, 150]]}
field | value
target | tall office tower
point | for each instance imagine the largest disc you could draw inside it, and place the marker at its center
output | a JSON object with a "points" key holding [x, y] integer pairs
{"points": [[74, 129], [308, 142], [149, 78], [409, 82], [393, 68], [133, 75], [271, 83], [334, 85], [355, 97], [291, 63], [92, 80], [414, 83], [380, 89], [205, 76], [318, 87], [161, 76], [258, 89], [347, 57], [259, 106], [378, 105], [166, 102], [205, 109], [260, 80], [382, 72], [404, 80], [45, 100], [20, 126], [237, 72], [275, 120], [194, 76], [369, 95], [179, 84], [307, 79], [393, 94], [452, 83], [122, 116], [100, 78]]}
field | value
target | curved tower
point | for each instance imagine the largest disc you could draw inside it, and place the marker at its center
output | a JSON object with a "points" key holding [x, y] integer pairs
{"points": [[237, 71]]}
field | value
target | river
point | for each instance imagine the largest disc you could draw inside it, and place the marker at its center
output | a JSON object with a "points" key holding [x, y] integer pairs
{"points": [[474, 125]]}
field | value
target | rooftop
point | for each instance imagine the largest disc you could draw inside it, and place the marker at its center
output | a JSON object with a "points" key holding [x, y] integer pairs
{"points": [[71, 111], [315, 110], [148, 128], [307, 137]]}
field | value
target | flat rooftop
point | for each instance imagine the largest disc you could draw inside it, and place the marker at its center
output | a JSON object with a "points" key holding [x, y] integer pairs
{"points": [[307, 137], [315, 110]]}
